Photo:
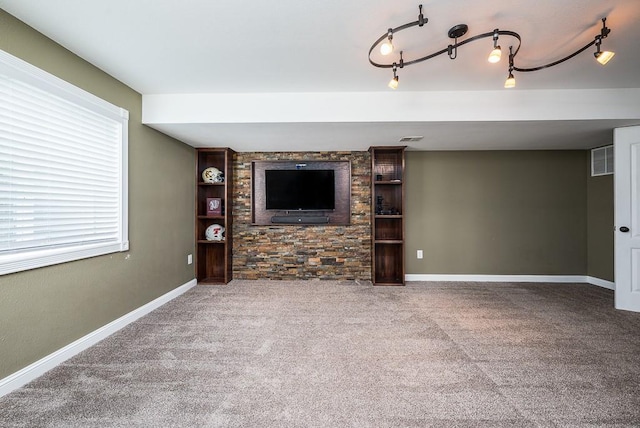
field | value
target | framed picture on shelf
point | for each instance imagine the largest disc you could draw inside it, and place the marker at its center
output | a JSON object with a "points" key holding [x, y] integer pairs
{"points": [[214, 206]]}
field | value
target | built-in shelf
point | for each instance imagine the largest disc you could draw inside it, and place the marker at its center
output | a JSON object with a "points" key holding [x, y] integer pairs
{"points": [[213, 258], [387, 208]]}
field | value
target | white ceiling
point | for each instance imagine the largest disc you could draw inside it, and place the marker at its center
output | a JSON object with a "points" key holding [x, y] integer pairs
{"points": [[247, 49]]}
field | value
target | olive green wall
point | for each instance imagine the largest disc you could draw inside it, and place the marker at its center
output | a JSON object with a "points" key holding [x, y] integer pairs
{"points": [[496, 212], [600, 250], [44, 309]]}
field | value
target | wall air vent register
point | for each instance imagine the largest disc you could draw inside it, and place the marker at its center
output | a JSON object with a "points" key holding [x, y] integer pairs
{"points": [[602, 161]]}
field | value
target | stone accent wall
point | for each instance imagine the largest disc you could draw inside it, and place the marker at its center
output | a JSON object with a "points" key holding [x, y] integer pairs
{"points": [[285, 252]]}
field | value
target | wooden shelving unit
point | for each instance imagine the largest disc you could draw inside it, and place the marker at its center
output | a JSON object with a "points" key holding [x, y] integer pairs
{"points": [[387, 210], [213, 258]]}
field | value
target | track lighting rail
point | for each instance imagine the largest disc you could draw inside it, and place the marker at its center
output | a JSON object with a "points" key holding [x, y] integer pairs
{"points": [[385, 42]]}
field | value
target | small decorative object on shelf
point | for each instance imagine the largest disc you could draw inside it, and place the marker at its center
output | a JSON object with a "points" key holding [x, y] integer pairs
{"points": [[214, 233], [212, 175], [214, 206], [379, 208]]}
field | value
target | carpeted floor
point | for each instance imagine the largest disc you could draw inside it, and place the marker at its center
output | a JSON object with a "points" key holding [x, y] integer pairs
{"points": [[330, 354]]}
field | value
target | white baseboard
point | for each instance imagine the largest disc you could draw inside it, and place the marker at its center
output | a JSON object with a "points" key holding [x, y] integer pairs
{"points": [[601, 282], [32, 371], [512, 278]]}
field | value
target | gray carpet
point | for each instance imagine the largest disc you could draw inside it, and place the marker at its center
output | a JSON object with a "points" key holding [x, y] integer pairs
{"points": [[330, 354]]}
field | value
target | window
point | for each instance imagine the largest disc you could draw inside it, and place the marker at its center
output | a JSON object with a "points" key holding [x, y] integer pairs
{"points": [[63, 170]]}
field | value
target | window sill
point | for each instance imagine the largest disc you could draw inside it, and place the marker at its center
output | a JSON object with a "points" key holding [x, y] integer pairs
{"points": [[11, 263]]}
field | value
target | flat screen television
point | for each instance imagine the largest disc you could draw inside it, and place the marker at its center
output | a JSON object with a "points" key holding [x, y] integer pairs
{"points": [[300, 189]]}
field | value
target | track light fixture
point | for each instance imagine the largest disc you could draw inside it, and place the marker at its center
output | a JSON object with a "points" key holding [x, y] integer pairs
{"points": [[458, 31], [393, 83], [496, 53], [511, 81], [604, 56], [387, 47]]}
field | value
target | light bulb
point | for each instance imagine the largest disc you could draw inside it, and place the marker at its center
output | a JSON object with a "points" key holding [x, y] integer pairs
{"points": [[495, 55], [393, 83], [604, 56], [510, 82], [386, 48]]}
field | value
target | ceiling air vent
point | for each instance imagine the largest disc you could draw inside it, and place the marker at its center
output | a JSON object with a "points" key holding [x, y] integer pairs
{"points": [[411, 139], [602, 161]]}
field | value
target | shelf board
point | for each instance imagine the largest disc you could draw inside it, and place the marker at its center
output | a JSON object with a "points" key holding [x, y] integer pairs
{"points": [[388, 241], [202, 183], [388, 182], [211, 280], [388, 283], [210, 217], [204, 241], [388, 216]]}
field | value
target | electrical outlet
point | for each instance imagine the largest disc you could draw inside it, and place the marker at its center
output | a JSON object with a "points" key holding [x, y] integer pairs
{"points": [[189, 259], [419, 254]]}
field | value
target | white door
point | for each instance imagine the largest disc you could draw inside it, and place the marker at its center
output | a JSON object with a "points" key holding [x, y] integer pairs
{"points": [[626, 148]]}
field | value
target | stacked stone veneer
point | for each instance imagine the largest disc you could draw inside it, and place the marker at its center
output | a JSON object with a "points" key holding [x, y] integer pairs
{"points": [[284, 252]]}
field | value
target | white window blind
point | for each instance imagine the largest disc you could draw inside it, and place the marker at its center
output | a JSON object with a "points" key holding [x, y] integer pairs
{"points": [[63, 170]]}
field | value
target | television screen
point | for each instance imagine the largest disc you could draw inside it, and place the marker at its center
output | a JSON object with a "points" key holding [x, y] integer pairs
{"points": [[300, 189]]}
